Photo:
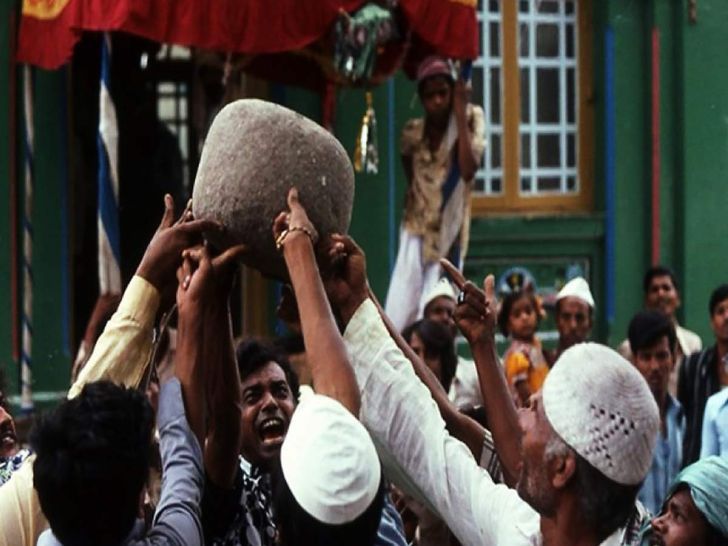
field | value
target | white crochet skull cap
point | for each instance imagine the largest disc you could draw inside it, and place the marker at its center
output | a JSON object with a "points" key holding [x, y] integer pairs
{"points": [[442, 288], [601, 406], [329, 461], [577, 288]]}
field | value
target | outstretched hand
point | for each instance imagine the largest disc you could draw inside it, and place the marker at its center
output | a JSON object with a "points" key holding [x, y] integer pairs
{"points": [[293, 223], [476, 311], [204, 279], [344, 273], [164, 253]]}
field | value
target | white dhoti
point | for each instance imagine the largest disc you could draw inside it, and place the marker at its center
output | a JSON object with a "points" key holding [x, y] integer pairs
{"points": [[411, 282]]}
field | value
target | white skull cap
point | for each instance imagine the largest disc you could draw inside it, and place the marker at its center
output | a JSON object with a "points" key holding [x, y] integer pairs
{"points": [[601, 406], [577, 288], [329, 461], [443, 288]]}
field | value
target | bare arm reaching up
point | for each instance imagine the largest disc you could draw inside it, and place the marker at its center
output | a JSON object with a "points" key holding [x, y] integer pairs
{"points": [[476, 317], [330, 369]]}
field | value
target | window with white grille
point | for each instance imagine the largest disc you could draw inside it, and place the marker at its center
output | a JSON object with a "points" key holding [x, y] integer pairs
{"points": [[533, 80], [547, 65], [487, 81]]}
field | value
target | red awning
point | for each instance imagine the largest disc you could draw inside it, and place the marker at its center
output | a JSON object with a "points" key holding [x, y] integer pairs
{"points": [[50, 28]]}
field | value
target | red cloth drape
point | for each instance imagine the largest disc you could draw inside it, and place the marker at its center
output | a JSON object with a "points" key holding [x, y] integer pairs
{"points": [[267, 28], [245, 26], [448, 27]]}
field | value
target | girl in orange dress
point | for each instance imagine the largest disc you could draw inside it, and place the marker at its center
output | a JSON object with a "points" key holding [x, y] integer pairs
{"points": [[524, 362]]}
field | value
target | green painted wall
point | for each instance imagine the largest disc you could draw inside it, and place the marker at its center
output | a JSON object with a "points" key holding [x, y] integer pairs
{"points": [[375, 224], [631, 89], [693, 141], [50, 353], [704, 118], [541, 244], [7, 363]]}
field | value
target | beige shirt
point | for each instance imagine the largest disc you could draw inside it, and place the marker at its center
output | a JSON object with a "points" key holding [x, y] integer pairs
{"points": [[120, 355], [429, 172]]}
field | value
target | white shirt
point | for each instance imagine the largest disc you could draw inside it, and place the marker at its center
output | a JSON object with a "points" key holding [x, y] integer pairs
{"points": [[420, 456], [465, 389]]}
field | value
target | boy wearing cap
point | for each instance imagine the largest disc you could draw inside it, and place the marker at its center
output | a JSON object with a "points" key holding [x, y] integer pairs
{"points": [[574, 310], [586, 441], [440, 156]]}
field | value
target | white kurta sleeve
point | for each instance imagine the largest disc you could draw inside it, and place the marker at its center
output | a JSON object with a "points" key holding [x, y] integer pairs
{"points": [[406, 424]]}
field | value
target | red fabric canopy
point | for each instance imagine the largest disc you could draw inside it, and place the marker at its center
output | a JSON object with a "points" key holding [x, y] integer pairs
{"points": [[50, 28], [449, 27]]}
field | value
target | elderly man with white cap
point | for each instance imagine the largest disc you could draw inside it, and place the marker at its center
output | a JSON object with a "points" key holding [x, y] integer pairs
{"points": [[585, 445], [574, 310]]}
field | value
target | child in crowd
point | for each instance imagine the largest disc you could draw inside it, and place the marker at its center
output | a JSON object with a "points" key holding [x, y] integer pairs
{"points": [[524, 362]]}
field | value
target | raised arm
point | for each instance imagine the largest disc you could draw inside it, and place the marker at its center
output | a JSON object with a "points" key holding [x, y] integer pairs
{"points": [[460, 426], [122, 351], [181, 423], [419, 454], [325, 351], [209, 374], [476, 317], [466, 159]]}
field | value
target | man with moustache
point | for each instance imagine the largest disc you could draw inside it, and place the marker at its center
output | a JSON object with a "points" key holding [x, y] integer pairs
{"points": [[585, 442], [574, 310]]}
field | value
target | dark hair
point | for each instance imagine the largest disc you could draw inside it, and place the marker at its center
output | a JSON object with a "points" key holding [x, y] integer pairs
{"points": [[421, 84], [252, 354], [297, 527], [508, 302], [290, 345], [647, 328], [718, 295], [92, 460], [658, 271], [604, 504], [438, 344]]}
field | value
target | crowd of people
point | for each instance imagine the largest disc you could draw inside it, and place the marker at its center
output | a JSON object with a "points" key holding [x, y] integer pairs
{"points": [[394, 439]]}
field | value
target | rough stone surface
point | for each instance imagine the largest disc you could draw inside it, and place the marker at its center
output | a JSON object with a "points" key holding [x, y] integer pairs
{"points": [[254, 153]]}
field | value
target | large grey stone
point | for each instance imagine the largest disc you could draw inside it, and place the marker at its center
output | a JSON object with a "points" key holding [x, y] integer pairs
{"points": [[254, 153]]}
